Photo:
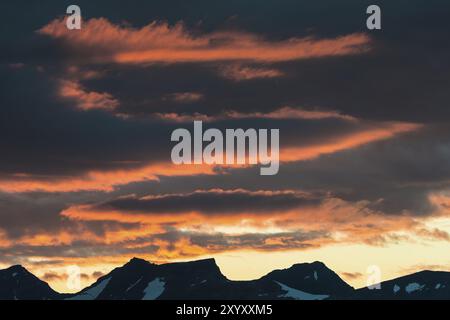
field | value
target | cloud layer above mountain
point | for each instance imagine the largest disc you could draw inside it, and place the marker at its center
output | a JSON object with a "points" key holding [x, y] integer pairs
{"points": [[86, 118]]}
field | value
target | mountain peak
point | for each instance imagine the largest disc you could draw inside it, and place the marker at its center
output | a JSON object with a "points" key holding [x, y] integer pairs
{"points": [[315, 264], [206, 262], [137, 264], [205, 268], [203, 263], [315, 278], [17, 282], [17, 269], [202, 279], [137, 260]]}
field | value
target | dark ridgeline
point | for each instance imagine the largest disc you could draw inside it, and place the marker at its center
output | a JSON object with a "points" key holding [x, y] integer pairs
{"points": [[141, 280], [16, 283], [425, 284], [203, 280]]}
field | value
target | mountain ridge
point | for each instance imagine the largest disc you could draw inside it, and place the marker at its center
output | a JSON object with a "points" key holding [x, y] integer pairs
{"points": [[139, 279]]}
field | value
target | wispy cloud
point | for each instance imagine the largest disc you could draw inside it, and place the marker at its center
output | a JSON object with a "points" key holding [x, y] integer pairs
{"points": [[160, 43], [239, 72], [86, 100]]}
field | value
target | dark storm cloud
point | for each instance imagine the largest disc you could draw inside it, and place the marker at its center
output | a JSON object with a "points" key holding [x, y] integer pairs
{"points": [[396, 175], [46, 137], [295, 239], [16, 254], [20, 214], [31, 214], [397, 81], [215, 242], [405, 76], [50, 140], [283, 240], [388, 83], [213, 202], [43, 135]]}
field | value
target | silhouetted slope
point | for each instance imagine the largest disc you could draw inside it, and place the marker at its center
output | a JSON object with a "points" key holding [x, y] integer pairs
{"points": [[141, 280], [315, 278], [16, 283], [420, 285]]}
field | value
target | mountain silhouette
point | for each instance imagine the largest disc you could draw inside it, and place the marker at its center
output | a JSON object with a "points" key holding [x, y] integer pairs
{"points": [[141, 280], [16, 283], [421, 285]]}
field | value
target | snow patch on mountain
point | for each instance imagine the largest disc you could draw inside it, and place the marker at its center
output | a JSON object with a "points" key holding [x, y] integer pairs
{"points": [[396, 288], [92, 293], [414, 287], [154, 289], [133, 285], [298, 294]]}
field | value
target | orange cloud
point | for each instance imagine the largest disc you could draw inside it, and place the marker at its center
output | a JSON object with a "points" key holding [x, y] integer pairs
{"points": [[102, 180], [195, 213], [434, 234], [354, 221], [86, 100], [242, 73], [161, 43], [278, 114], [184, 97], [441, 200], [350, 141], [108, 180], [198, 235], [292, 113], [344, 222]]}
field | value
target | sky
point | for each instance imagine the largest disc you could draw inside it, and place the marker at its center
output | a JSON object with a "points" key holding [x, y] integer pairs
{"points": [[86, 117]]}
